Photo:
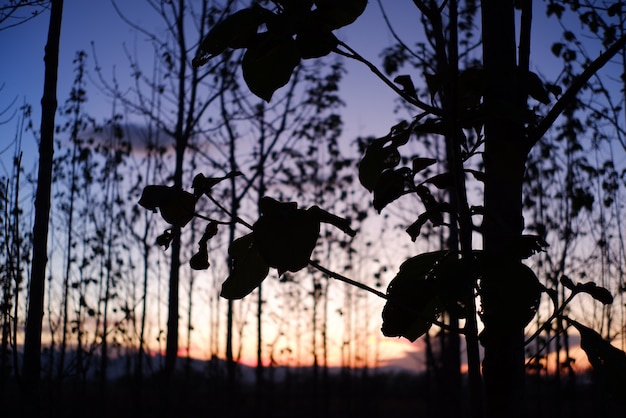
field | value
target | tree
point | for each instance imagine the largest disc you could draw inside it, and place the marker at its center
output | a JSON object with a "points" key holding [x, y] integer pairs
{"points": [[488, 118], [32, 340]]}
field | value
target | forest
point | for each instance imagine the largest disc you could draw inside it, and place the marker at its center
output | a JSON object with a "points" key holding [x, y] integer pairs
{"points": [[197, 229]]}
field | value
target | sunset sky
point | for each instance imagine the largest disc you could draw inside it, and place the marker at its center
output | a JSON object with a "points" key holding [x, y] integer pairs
{"points": [[369, 104]]}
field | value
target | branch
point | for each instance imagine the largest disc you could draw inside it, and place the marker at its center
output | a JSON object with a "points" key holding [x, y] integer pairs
{"points": [[412, 100], [577, 84], [382, 295]]}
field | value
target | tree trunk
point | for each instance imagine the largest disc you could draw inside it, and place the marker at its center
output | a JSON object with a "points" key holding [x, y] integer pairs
{"points": [[32, 337], [504, 158]]}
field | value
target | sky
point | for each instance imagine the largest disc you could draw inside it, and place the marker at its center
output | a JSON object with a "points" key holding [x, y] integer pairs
{"points": [[369, 104]]}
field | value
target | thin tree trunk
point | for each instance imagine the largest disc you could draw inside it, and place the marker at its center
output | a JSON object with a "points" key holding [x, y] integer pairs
{"points": [[503, 364], [32, 337]]}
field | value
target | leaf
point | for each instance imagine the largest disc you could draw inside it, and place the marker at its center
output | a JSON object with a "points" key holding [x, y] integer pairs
{"points": [[567, 282], [235, 31], [269, 62], [442, 181], [391, 185], [412, 303], [478, 175], [249, 269], [415, 228], [165, 239], [177, 206], [338, 13], [608, 362], [203, 185], [407, 85], [323, 216], [420, 164], [381, 154], [432, 126], [285, 236], [510, 292], [471, 87], [599, 293], [454, 280], [315, 43], [200, 260], [536, 88], [530, 245]]}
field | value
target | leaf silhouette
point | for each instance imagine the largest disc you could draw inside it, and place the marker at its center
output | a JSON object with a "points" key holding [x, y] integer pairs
{"points": [[249, 269], [200, 260], [412, 302], [203, 185], [420, 164], [338, 13], [177, 206], [286, 236], [391, 185], [380, 155], [235, 31], [599, 293], [608, 362], [269, 62], [315, 43]]}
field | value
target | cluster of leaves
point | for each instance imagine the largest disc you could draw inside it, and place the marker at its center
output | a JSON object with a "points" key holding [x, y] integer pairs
{"points": [[284, 236], [296, 30]]}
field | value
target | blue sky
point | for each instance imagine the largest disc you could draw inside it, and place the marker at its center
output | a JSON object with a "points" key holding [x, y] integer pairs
{"points": [[95, 21], [369, 109]]}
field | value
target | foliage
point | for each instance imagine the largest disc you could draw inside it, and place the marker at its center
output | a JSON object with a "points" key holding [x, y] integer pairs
{"points": [[464, 105]]}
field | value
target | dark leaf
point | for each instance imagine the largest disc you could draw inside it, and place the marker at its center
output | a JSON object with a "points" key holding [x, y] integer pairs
{"points": [[567, 282], [557, 48], [381, 154], [165, 239], [471, 87], [412, 302], [554, 89], [478, 175], [432, 126], [608, 362], [209, 232], [415, 228], [338, 13], [285, 235], [530, 245], [203, 185], [249, 268], [269, 62], [407, 85], [323, 216], [600, 294], [536, 88], [420, 164], [510, 292], [235, 31], [391, 185], [434, 209], [315, 43], [454, 280], [177, 206], [442, 181], [200, 260]]}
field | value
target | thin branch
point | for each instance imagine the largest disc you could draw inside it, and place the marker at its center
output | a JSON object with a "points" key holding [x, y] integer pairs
{"points": [[577, 84], [351, 53], [382, 295]]}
